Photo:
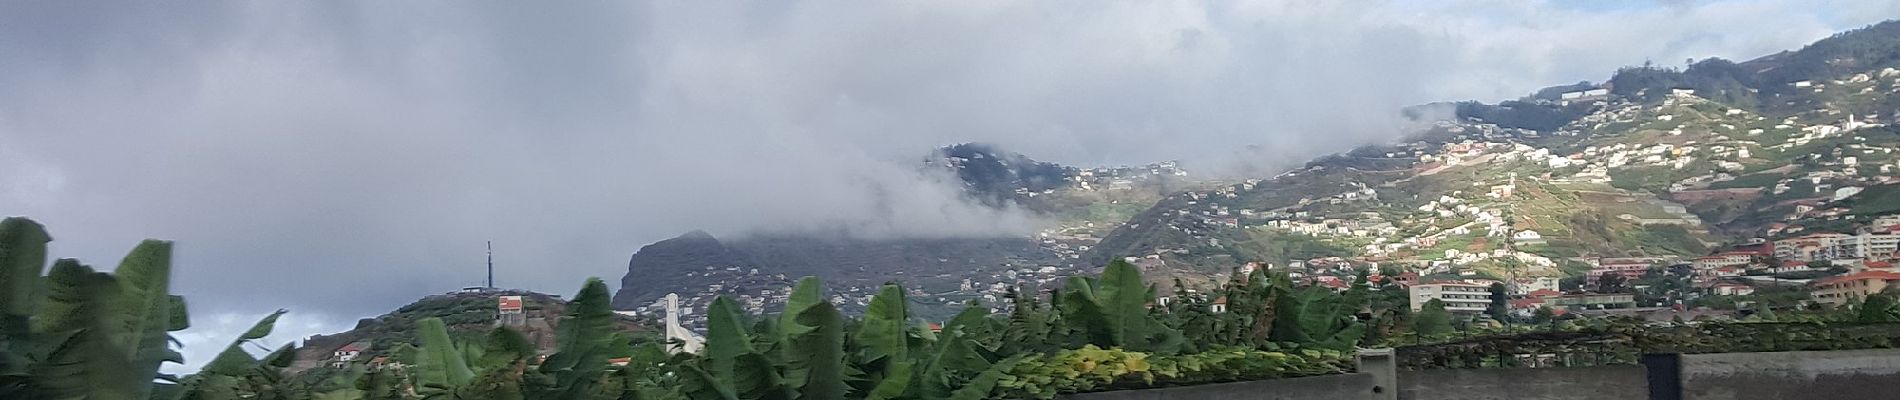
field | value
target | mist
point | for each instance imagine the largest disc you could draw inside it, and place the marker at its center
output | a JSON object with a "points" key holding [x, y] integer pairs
{"points": [[342, 159]]}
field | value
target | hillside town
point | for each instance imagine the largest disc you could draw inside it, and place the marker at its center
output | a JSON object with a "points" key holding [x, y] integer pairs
{"points": [[1473, 204]]}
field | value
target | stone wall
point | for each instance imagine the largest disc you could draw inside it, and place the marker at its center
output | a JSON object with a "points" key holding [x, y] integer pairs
{"points": [[1581, 383], [1341, 387], [1846, 374]]}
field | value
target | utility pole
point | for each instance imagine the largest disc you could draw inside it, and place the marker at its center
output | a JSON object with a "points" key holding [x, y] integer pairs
{"points": [[491, 264]]}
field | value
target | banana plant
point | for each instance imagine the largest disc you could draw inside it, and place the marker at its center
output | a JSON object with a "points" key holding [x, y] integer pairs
{"points": [[884, 342], [235, 374], [1114, 311], [585, 340], [85, 334], [492, 368]]}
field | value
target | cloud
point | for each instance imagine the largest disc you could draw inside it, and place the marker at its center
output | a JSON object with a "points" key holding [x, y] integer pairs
{"points": [[346, 158]]}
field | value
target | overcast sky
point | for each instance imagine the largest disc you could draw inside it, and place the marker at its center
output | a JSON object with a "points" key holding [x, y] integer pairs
{"points": [[341, 158]]}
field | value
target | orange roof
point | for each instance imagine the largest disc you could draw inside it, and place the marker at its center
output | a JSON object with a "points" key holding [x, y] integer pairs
{"points": [[1878, 264], [1220, 300], [1545, 293]]}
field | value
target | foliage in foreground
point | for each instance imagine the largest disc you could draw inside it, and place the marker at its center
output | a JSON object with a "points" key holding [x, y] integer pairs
{"points": [[80, 334]]}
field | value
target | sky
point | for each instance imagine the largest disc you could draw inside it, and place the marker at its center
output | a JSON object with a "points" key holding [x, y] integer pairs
{"points": [[340, 159]]}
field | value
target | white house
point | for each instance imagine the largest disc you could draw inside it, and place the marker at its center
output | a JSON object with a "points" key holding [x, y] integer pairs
{"points": [[1527, 236]]}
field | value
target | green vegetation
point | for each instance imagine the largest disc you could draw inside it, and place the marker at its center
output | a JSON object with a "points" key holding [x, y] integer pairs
{"points": [[102, 336], [1433, 319], [1280, 246], [1875, 200], [1664, 239], [1761, 180]]}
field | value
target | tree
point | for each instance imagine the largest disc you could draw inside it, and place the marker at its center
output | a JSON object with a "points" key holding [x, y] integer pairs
{"points": [[1543, 315], [1500, 307], [1432, 319], [1878, 308], [1610, 283], [1766, 314]]}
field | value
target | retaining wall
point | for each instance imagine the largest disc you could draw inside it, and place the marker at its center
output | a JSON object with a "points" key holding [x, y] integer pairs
{"points": [[1618, 382], [1845, 374], [1344, 387]]}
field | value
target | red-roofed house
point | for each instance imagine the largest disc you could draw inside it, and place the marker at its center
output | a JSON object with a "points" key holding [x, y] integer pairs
{"points": [[1408, 278], [1839, 289], [1526, 304], [348, 353]]}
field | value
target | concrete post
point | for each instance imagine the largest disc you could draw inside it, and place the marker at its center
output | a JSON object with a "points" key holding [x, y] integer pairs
{"points": [[1384, 370], [1664, 372]]}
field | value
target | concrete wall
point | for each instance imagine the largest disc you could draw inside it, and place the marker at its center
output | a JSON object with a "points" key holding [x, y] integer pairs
{"points": [[1617, 382], [1847, 374], [1344, 387]]}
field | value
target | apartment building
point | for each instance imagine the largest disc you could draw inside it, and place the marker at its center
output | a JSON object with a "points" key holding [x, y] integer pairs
{"points": [[1458, 297], [1838, 290]]}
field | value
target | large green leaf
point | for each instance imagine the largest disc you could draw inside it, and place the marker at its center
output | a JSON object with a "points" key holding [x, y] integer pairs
{"points": [[1124, 300], [180, 319], [145, 299], [234, 360], [75, 334], [22, 259], [979, 388], [883, 336], [697, 384], [956, 356], [726, 337], [584, 341], [898, 376], [807, 293], [76, 298], [439, 364], [754, 377], [503, 347], [1082, 312], [818, 353], [972, 322]]}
